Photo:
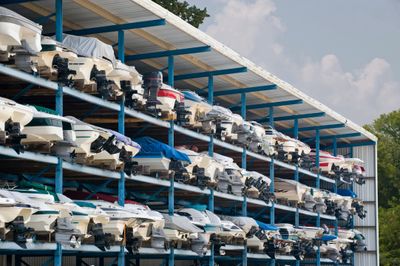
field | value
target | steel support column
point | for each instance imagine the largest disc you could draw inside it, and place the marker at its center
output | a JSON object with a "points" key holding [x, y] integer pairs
{"points": [[243, 114], [271, 116], [59, 20], [211, 89], [171, 257], [272, 188], [317, 147], [58, 255], [171, 70], [171, 199], [121, 189], [244, 206], [121, 256], [121, 46]]}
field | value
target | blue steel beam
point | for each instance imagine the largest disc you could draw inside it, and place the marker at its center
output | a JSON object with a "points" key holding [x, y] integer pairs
{"points": [[339, 136], [267, 105], [211, 73], [242, 90], [193, 50], [331, 126], [293, 117], [59, 20], [118, 27]]}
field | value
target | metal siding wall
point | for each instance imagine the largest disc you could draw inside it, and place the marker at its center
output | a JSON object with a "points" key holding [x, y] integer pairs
{"points": [[366, 192], [370, 219], [369, 234], [365, 259]]}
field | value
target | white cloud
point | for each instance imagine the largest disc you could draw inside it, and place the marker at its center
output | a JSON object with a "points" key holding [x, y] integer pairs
{"points": [[252, 28]]}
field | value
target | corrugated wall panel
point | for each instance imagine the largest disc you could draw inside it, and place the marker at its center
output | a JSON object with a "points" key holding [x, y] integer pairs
{"points": [[367, 154], [366, 192], [365, 259], [369, 234], [370, 219]]}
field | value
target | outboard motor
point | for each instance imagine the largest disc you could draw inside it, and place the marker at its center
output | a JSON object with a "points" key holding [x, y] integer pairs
{"points": [[298, 251], [126, 87], [270, 248], [14, 136], [66, 233], [129, 165], [97, 145], [201, 179], [20, 232], [103, 85], [253, 230], [101, 240], [359, 209], [110, 146], [63, 72], [132, 243], [179, 173], [152, 83]]}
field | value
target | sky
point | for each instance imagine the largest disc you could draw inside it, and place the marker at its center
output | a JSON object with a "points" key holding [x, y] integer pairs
{"points": [[343, 53]]}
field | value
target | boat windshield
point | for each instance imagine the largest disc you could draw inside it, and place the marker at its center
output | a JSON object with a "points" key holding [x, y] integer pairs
{"points": [[39, 122]]}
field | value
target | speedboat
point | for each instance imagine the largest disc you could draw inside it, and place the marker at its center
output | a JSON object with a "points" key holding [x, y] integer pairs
{"points": [[231, 234], [13, 118], [251, 134], [180, 232], [44, 130], [230, 181], [197, 109], [230, 127], [319, 198], [290, 190], [20, 37], [269, 144], [65, 147], [93, 66], [287, 148], [359, 243], [352, 170], [260, 184], [209, 223], [162, 99], [52, 61], [328, 164], [215, 118], [302, 155], [14, 215], [157, 158], [204, 169]]}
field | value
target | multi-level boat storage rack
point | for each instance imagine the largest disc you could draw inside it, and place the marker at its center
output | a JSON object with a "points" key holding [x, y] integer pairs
{"points": [[151, 38]]}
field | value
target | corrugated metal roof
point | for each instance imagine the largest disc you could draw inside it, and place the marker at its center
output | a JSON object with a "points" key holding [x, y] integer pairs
{"points": [[179, 34]]}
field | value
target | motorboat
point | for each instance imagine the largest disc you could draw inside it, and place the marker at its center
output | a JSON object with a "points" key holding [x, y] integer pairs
{"points": [[352, 203], [19, 37], [258, 185], [269, 144], [251, 135], [68, 144], [204, 169], [230, 181], [353, 170], [197, 109], [215, 118], [319, 198], [52, 61], [180, 232], [328, 164], [14, 215], [93, 66], [162, 99], [231, 234], [250, 228], [287, 148], [209, 223], [290, 190], [229, 128], [302, 155], [157, 158], [45, 130], [13, 118], [359, 243]]}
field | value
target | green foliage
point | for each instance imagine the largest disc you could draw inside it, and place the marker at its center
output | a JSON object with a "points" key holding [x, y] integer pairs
{"points": [[387, 129], [191, 14]]}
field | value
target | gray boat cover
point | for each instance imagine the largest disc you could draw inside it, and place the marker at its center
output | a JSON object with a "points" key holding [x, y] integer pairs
{"points": [[7, 15], [180, 223], [89, 47]]}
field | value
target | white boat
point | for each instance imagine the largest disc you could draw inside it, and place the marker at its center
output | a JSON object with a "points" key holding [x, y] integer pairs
{"points": [[231, 233], [93, 65], [251, 134], [153, 163], [204, 169], [215, 118], [180, 231], [319, 197], [328, 164], [230, 181], [19, 37], [13, 118], [359, 243], [352, 170], [257, 185], [14, 215], [269, 144], [290, 190], [66, 147], [197, 109], [44, 130], [52, 61]]}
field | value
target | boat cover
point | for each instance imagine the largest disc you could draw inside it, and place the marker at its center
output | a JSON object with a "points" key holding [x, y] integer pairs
{"points": [[124, 139], [89, 47], [326, 237], [180, 223], [267, 227], [346, 193], [7, 15], [150, 145]]}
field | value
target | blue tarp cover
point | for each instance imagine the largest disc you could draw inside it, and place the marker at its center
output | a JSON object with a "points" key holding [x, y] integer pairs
{"points": [[150, 145], [347, 193], [328, 237], [268, 227]]}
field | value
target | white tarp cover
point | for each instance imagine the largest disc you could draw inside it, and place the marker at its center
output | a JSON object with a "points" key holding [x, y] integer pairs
{"points": [[89, 47]]}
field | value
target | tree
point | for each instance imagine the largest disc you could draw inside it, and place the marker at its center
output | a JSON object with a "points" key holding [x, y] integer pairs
{"points": [[191, 14], [387, 129]]}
